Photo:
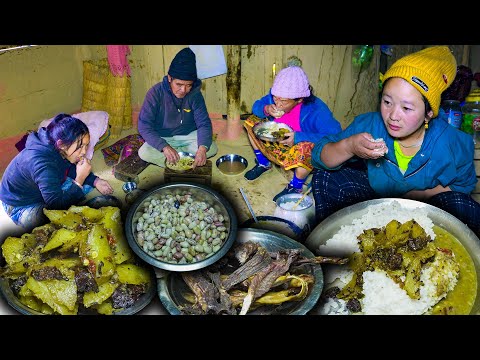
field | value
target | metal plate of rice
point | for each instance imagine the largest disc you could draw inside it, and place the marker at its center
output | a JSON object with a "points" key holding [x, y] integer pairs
{"points": [[344, 218], [172, 288], [266, 130]]}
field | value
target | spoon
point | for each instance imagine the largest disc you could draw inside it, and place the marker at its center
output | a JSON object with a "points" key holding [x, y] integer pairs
{"points": [[248, 205], [300, 200]]}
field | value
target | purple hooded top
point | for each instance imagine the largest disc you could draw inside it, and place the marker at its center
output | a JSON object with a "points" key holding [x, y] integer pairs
{"points": [[164, 115]]}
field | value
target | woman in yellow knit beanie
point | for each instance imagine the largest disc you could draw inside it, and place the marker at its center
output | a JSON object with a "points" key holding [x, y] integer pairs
{"points": [[403, 150]]}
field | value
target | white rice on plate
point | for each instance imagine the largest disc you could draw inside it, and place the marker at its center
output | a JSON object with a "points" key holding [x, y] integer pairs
{"points": [[382, 296]]}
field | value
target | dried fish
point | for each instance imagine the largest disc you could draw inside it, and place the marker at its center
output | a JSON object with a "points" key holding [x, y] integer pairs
{"points": [[203, 289], [225, 301], [262, 282], [244, 251], [260, 260], [321, 260], [264, 279]]}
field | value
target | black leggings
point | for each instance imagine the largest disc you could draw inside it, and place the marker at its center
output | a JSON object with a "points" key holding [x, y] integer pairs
{"points": [[335, 190]]}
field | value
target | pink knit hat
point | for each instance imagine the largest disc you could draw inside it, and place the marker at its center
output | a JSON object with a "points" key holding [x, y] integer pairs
{"points": [[291, 83]]}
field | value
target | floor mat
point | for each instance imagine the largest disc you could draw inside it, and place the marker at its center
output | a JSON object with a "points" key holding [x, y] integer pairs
{"points": [[122, 149]]}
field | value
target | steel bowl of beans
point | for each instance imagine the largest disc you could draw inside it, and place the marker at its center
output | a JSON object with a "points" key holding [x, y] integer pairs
{"points": [[181, 226]]}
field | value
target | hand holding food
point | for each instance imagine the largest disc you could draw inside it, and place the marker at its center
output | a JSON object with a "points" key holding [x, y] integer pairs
{"points": [[274, 111], [288, 139], [170, 154], [381, 150], [365, 146], [83, 169], [200, 157]]}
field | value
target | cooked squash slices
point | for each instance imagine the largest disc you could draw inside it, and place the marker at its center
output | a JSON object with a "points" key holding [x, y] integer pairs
{"points": [[78, 263]]}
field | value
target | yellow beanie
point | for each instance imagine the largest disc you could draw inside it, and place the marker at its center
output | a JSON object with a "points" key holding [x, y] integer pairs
{"points": [[430, 71]]}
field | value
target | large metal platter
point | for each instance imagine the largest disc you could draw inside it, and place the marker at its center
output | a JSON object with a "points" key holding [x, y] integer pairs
{"points": [[262, 130], [141, 303], [200, 193], [172, 287], [331, 225]]}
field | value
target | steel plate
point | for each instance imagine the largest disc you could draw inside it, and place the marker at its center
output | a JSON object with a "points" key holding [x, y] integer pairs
{"points": [[262, 130], [103, 200], [331, 225], [140, 304], [235, 164], [182, 154], [172, 287]]}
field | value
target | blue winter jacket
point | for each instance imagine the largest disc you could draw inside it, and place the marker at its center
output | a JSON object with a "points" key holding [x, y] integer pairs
{"points": [[445, 158], [36, 175], [316, 119], [164, 115]]}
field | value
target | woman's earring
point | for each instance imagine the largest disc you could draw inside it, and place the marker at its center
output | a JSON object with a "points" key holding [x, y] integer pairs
{"points": [[426, 124]]}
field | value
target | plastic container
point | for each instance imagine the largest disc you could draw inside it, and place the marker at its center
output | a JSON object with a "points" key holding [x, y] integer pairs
{"points": [[451, 112], [303, 215], [471, 116]]}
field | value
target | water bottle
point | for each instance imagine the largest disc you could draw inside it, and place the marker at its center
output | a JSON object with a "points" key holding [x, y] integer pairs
{"points": [[451, 112]]}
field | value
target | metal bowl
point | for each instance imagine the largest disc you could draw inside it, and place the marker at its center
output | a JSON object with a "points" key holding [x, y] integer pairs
{"points": [[182, 155], [200, 193], [140, 304], [129, 186], [231, 164], [103, 200], [171, 288], [262, 130], [332, 224]]}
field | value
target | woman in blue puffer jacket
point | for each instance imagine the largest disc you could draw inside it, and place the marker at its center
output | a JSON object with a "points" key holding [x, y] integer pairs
{"points": [[51, 172], [403, 150]]}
